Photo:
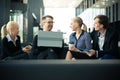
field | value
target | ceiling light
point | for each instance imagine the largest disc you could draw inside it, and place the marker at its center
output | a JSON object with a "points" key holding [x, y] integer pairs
{"points": [[97, 5]]}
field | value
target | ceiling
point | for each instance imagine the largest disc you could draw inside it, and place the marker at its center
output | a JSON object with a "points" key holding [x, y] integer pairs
{"points": [[75, 3], [61, 3], [71, 3], [104, 3]]}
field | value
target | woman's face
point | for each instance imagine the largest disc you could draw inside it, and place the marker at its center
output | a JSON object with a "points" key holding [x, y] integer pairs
{"points": [[15, 31], [74, 25]]}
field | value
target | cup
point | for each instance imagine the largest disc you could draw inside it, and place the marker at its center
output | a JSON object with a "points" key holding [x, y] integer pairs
{"points": [[71, 45]]}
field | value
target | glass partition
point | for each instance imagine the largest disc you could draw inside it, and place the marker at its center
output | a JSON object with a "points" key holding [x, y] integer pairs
{"points": [[17, 16]]}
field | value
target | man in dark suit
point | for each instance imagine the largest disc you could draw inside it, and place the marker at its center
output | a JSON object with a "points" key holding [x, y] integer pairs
{"points": [[105, 39], [45, 52]]}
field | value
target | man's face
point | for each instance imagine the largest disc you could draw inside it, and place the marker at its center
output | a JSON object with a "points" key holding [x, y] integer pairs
{"points": [[48, 24], [97, 25]]}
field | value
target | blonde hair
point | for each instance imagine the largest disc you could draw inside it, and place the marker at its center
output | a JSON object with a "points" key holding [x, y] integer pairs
{"points": [[3, 31], [11, 25], [84, 27], [7, 28], [80, 22]]}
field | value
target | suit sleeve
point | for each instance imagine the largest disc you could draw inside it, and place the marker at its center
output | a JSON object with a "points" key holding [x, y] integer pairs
{"points": [[35, 49]]}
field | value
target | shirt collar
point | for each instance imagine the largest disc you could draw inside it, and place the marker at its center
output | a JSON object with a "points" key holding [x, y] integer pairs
{"points": [[103, 34], [81, 33], [9, 38]]}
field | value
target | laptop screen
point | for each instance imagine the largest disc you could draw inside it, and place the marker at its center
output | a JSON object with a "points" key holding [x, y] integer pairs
{"points": [[50, 39]]}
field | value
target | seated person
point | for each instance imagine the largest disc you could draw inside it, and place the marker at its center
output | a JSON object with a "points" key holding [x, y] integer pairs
{"points": [[11, 46], [105, 40], [81, 41], [45, 52]]}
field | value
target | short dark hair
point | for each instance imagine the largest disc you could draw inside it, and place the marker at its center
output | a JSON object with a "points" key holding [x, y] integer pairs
{"points": [[103, 19], [47, 16]]}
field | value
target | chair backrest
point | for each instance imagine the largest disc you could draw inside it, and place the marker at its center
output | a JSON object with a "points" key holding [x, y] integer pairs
{"points": [[60, 70]]}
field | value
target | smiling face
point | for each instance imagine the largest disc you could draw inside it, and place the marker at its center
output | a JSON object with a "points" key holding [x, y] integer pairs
{"points": [[74, 25], [13, 28], [101, 22], [97, 25], [48, 24]]}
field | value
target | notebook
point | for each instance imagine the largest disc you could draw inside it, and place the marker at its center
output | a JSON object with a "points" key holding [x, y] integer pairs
{"points": [[50, 39]]}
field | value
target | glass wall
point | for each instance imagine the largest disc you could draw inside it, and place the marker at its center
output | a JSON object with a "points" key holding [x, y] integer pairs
{"points": [[113, 12], [17, 16], [89, 14], [97, 7], [62, 17]]}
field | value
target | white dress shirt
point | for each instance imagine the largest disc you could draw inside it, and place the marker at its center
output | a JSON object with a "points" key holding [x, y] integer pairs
{"points": [[9, 39], [101, 41]]}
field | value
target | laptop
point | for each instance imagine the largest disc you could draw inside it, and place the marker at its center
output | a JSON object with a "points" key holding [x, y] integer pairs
{"points": [[50, 39]]}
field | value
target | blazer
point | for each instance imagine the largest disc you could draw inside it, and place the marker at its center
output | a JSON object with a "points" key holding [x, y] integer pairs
{"points": [[110, 45], [9, 49]]}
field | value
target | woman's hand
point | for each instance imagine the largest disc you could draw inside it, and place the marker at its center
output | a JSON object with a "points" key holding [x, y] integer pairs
{"points": [[27, 48]]}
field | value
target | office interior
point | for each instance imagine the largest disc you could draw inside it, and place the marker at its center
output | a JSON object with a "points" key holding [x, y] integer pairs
{"points": [[28, 14]]}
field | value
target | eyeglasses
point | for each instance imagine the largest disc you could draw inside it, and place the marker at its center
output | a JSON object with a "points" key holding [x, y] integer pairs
{"points": [[50, 22]]}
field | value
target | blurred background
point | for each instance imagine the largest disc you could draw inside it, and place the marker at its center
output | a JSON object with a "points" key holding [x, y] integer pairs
{"points": [[28, 14]]}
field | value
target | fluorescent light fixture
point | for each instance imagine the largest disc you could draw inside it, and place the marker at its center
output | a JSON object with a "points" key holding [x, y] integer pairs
{"points": [[34, 16]]}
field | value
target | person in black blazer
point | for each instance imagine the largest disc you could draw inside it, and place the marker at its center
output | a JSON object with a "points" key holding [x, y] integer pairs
{"points": [[40, 52], [11, 46], [105, 39]]}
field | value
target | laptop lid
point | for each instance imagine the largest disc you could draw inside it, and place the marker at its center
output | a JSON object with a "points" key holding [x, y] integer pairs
{"points": [[50, 39]]}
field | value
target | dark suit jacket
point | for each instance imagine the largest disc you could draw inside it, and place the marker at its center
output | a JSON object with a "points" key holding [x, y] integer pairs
{"points": [[9, 49], [37, 50], [110, 44]]}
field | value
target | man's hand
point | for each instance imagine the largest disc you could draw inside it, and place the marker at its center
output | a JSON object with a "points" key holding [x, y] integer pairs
{"points": [[90, 53]]}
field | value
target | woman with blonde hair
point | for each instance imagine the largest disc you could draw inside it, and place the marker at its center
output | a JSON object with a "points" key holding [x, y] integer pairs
{"points": [[11, 46], [80, 41]]}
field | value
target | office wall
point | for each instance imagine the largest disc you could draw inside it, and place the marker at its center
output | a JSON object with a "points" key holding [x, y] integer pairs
{"points": [[113, 12], [119, 10], [33, 7], [4, 12]]}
